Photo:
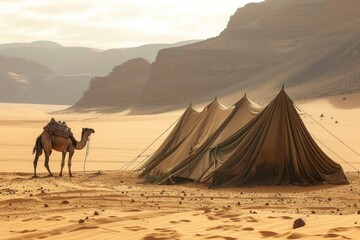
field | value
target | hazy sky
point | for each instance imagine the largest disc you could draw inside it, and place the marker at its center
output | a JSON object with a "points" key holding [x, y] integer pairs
{"points": [[114, 23]]}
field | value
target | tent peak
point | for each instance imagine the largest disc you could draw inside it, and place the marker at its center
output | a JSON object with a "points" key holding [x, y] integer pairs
{"points": [[283, 87]]}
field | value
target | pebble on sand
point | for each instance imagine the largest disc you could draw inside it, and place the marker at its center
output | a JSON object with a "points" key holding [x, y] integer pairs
{"points": [[298, 223]]}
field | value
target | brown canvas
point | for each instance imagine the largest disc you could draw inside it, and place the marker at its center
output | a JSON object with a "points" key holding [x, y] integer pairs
{"points": [[199, 165], [212, 117], [187, 122], [275, 148]]}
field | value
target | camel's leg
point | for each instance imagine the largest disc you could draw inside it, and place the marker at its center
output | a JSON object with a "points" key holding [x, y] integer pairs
{"points": [[71, 153], [62, 163], [47, 158], [37, 155]]}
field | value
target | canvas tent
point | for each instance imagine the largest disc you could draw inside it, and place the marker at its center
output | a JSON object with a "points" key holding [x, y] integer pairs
{"points": [[199, 165], [187, 122], [275, 148], [213, 116]]}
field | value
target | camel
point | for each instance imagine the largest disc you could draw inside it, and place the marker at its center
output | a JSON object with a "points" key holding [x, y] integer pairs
{"points": [[46, 142]]}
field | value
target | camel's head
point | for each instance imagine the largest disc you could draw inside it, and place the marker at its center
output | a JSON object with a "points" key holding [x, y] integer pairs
{"points": [[89, 131]]}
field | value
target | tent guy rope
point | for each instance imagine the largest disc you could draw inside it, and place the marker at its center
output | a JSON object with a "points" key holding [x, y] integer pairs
{"points": [[126, 166], [358, 171]]}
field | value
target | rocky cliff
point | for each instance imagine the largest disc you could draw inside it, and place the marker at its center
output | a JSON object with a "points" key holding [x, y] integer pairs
{"points": [[311, 46], [122, 88]]}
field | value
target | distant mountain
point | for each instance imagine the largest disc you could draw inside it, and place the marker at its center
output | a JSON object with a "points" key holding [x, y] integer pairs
{"points": [[36, 44], [120, 89], [81, 60], [46, 72], [27, 81], [311, 46]]}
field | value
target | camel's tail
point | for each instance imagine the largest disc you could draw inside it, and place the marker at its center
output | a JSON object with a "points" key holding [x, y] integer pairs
{"points": [[38, 146]]}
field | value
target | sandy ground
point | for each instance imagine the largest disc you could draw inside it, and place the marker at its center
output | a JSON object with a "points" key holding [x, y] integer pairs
{"points": [[128, 208]]}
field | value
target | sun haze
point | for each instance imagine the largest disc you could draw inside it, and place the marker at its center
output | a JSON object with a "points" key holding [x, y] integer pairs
{"points": [[112, 23]]}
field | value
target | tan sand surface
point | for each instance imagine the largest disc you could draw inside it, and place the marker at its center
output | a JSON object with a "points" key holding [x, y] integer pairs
{"points": [[131, 209], [128, 208]]}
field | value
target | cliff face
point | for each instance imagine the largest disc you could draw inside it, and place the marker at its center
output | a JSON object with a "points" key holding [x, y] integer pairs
{"points": [[311, 46], [123, 87]]}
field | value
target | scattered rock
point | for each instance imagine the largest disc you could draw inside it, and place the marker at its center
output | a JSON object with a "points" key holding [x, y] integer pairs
{"points": [[322, 115], [96, 213], [46, 205], [65, 202], [207, 210], [313, 212], [81, 221], [86, 218], [329, 199], [358, 212], [298, 223], [336, 122], [238, 203], [132, 200]]}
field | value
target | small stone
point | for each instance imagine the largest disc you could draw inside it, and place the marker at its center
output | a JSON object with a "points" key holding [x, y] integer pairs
{"points": [[238, 203], [86, 218], [358, 212], [313, 212], [81, 221], [46, 205], [96, 213], [298, 223], [65, 202], [207, 210], [132, 200], [329, 199]]}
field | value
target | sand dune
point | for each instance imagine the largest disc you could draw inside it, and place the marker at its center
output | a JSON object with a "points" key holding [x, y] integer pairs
{"points": [[129, 208]]}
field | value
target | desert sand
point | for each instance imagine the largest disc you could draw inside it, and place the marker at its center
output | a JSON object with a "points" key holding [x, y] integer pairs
{"points": [[110, 202]]}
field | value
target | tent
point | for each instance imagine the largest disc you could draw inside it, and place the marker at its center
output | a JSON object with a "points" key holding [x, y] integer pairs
{"points": [[211, 118], [274, 148], [199, 165], [187, 122]]}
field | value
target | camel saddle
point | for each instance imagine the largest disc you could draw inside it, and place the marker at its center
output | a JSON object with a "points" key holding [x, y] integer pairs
{"points": [[59, 129]]}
